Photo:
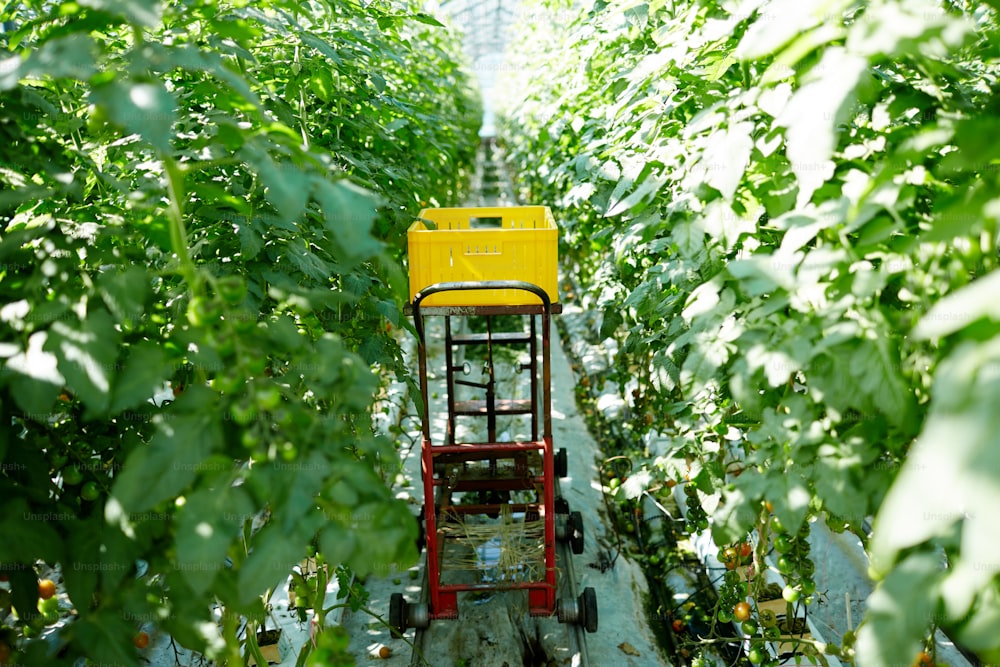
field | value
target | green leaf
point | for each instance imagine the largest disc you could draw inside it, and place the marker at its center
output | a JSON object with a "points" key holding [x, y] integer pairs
{"points": [[348, 211], [87, 358], [140, 12], [813, 115], [894, 28], [143, 108], [274, 554], [790, 499], [427, 19], [35, 379], [899, 611], [28, 535], [145, 370], [961, 308], [337, 543], [388, 533], [320, 45], [958, 454], [80, 576], [767, 35], [736, 517], [107, 636], [610, 322], [207, 524], [726, 155], [125, 293], [875, 364], [762, 274], [67, 57], [197, 60], [172, 460], [981, 632], [287, 187]]}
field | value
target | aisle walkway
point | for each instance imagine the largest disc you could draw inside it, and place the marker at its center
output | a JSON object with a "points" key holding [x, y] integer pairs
{"points": [[496, 630]]}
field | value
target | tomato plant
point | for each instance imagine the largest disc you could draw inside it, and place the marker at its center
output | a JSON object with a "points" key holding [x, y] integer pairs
{"points": [[788, 219], [209, 197]]}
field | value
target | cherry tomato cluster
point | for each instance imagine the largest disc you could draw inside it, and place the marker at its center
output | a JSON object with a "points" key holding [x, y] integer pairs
{"points": [[697, 518], [732, 594], [793, 562]]}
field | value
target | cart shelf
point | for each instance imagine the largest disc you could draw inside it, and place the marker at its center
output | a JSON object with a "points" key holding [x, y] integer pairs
{"points": [[504, 406]]}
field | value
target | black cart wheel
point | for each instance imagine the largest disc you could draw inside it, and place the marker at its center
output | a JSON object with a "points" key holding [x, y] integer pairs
{"points": [[588, 605], [397, 614], [576, 532], [561, 463]]}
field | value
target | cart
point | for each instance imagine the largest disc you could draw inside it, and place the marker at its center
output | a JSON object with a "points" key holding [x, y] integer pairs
{"points": [[508, 484]]}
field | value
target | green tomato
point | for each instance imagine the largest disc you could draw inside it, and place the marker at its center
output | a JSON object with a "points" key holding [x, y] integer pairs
{"points": [[724, 616], [749, 627], [90, 491], [756, 655], [49, 605], [72, 476], [790, 594], [782, 544], [785, 564], [268, 398], [243, 412], [776, 524], [232, 289], [249, 438], [202, 311]]}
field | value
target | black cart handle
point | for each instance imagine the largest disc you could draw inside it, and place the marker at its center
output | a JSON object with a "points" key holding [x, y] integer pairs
{"points": [[466, 285]]}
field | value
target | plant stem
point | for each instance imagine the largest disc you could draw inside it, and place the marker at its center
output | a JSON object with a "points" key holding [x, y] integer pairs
{"points": [[175, 216]]}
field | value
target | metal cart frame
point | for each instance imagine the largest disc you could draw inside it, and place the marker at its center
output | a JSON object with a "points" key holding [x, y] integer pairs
{"points": [[495, 487]]}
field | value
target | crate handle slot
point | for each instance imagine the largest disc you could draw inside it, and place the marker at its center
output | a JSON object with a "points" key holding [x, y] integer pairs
{"points": [[486, 222]]}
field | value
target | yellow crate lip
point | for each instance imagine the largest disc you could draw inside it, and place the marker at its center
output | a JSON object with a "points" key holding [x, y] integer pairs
{"points": [[457, 219], [480, 252]]}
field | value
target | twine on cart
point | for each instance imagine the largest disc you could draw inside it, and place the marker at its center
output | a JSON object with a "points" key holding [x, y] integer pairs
{"points": [[503, 551]]}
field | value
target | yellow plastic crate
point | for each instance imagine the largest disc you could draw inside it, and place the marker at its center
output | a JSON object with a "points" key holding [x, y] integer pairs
{"points": [[500, 243]]}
